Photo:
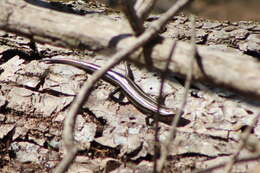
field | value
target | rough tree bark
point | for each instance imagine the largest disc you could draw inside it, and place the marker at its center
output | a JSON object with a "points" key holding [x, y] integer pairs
{"points": [[98, 33]]}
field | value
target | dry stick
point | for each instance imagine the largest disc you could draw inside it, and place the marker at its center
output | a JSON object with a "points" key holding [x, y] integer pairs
{"points": [[242, 144], [133, 19], [144, 9], [163, 77], [172, 134], [83, 95], [127, 7], [137, 26], [242, 160]]}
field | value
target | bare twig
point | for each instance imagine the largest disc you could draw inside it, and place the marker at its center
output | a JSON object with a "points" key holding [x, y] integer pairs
{"points": [[130, 13], [127, 7], [69, 124], [136, 23], [137, 26], [242, 160], [242, 144], [163, 77], [172, 134], [144, 8]]}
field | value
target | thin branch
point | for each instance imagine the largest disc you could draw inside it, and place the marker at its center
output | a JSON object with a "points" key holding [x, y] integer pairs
{"points": [[137, 25], [163, 77], [172, 134], [242, 160], [128, 9], [133, 19], [69, 124], [144, 8], [243, 142]]}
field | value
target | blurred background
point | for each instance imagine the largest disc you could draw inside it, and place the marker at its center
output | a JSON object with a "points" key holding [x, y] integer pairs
{"points": [[234, 10]]}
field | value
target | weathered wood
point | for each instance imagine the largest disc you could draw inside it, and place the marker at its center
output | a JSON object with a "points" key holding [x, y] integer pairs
{"points": [[232, 70], [35, 98]]}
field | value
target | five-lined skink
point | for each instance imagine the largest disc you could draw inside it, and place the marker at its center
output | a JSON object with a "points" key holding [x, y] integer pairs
{"points": [[134, 93]]}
